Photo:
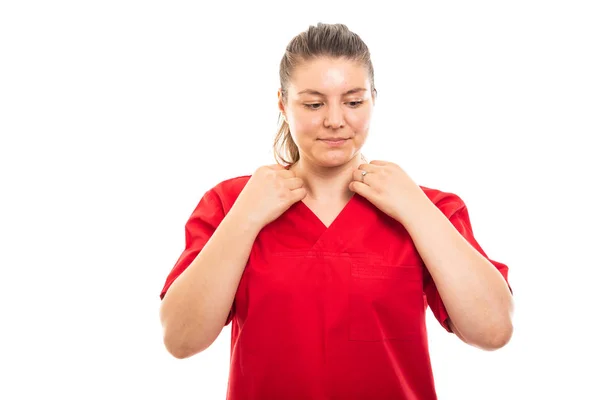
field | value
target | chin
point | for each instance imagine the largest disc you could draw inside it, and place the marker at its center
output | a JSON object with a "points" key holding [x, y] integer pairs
{"points": [[334, 160]]}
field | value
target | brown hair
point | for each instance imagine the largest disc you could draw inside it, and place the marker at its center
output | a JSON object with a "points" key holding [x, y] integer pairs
{"points": [[328, 40]]}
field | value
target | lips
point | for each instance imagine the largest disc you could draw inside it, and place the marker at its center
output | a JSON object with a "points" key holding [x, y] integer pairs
{"points": [[334, 141]]}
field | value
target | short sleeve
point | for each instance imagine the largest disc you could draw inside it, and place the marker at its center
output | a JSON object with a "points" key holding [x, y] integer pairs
{"points": [[199, 228], [460, 220]]}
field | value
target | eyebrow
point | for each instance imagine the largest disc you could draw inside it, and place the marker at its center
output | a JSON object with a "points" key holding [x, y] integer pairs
{"points": [[351, 91]]}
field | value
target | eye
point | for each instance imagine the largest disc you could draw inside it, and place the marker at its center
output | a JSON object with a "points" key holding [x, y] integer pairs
{"points": [[312, 106], [316, 106]]}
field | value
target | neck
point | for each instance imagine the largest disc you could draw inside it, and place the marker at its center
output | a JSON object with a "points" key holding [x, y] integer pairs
{"points": [[327, 183]]}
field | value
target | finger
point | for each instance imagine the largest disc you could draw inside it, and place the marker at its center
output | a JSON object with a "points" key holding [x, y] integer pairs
{"points": [[359, 176], [379, 162], [293, 183], [368, 167], [362, 189], [286, 174], [298, 194], [268, 169]]}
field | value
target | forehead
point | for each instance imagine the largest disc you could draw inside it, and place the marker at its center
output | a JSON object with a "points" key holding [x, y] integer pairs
{"points": [[329, 76]]}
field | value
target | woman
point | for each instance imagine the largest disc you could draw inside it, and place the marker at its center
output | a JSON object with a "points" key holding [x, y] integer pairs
{"points": [[326, 263]]}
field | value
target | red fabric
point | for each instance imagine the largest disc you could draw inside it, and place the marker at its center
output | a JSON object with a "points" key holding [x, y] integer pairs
{"points": [[329, 313], [456, 211]]}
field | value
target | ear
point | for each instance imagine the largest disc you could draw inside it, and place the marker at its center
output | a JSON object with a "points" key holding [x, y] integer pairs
{"points": [[280, 104]]}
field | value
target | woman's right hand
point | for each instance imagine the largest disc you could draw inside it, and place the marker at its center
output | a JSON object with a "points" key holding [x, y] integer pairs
{"points": [[269, 192]]}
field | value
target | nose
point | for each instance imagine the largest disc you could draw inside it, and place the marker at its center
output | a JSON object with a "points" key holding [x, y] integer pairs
{"points": [[334, 118]]}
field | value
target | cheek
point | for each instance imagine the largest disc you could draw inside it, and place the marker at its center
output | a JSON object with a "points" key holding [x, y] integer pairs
{"points": [[359, 122], [305, 124]]}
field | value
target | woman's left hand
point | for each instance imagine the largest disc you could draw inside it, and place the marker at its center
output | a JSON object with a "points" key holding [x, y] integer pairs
{"points": [[389, 188]]}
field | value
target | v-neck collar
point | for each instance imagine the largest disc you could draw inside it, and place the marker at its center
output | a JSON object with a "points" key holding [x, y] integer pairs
{"points": [[317, 221], [310, 214], [315, 236]]}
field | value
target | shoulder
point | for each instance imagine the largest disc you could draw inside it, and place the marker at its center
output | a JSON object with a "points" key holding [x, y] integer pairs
{"points": [[226, 192], [448, 202]]}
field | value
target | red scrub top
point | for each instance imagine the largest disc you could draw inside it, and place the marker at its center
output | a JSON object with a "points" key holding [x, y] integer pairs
{"points": [[329, 313]]}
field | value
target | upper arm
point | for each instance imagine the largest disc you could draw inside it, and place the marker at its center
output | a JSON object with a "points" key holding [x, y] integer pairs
{"points": [[200, 226], [453, 207], [455, 331]]}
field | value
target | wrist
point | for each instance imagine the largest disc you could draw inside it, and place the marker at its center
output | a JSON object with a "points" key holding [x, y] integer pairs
{"points": [[244, 221], [423, 209]]}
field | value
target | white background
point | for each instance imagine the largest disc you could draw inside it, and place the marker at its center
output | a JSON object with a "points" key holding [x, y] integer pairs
{"points": [[116, 117]]}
